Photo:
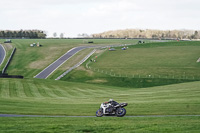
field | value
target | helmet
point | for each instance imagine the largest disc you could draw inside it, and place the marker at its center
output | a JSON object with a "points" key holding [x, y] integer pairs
{"points": [[110, 100]]}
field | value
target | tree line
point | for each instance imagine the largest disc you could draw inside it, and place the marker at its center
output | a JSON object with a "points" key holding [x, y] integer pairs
{"points": [[158, 34], [22, 34]]}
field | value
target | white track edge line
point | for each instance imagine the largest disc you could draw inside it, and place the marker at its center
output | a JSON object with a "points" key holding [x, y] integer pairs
{"points": [[78, 64], [63, 63]]}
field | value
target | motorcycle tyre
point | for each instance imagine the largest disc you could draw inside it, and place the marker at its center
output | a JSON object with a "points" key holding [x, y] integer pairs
{"points": [[122, 114], [99, 113]]}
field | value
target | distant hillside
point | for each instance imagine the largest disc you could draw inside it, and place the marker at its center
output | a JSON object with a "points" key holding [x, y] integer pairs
{"points": [[148, 33]]}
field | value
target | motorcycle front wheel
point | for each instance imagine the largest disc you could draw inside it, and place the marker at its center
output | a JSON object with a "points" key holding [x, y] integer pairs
{"points": [[99, 113], [120, 112]]}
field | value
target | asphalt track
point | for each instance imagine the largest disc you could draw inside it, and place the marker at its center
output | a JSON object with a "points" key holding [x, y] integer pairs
{"points": [[14, 115], [51, 68], [2, 54]]}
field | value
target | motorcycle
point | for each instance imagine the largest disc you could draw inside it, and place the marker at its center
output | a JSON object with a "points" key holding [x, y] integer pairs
{"points": [[108, 109]]}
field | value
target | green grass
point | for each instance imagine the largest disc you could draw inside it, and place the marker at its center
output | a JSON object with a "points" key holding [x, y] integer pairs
{"points": [[47, 97], [29, 61], [157, 59], [95, 77], [144, 65], [171, 89], [103, 125]]}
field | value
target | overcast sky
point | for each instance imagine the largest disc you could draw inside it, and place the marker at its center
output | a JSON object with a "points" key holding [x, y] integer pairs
{"points": [[94, 16]]}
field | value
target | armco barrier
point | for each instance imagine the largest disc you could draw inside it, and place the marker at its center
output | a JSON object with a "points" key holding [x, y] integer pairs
{"points": [[9, 60], [5, 75], [11, 76]]}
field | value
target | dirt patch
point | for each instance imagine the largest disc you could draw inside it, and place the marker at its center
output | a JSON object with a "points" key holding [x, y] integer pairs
{"points": [[99, 51], [7, 46], [37, 64], [48, 58], [97, 81]]}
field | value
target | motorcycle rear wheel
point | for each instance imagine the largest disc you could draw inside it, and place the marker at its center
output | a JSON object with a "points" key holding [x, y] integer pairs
{"points": [[120, 112]]}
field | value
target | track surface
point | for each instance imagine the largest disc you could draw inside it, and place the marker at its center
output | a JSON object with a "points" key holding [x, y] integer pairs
{"points": [[2, 54], [51, 68], [14, 115]]}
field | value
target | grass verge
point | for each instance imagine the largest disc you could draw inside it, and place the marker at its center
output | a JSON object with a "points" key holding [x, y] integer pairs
{"points": [[105, 125]]}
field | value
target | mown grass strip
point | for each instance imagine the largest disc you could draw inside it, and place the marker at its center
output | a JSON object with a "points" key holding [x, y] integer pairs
{"points": [[128, 125], [68, 98], [34, 90], [20, 88], [5, 89]]}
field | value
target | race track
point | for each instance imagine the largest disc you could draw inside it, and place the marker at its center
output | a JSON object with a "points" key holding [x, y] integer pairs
{"points": [[2, 54], [15, 115], [51, 68]]}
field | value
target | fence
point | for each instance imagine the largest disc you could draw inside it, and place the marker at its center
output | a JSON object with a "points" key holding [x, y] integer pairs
{"points": [[150, 76]]}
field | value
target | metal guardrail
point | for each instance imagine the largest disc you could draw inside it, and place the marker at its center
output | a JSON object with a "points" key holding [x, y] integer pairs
{"points": [[9, 60], [77, 65]]}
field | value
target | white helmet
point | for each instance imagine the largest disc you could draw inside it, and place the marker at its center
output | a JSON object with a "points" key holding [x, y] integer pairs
{"points": [[110, 100]]}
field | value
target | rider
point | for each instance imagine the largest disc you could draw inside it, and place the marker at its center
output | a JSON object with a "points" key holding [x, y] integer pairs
{"points": [[112, 102], [112, 105]]}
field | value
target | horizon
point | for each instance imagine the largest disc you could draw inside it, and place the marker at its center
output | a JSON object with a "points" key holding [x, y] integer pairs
{"points": [[73, 17]]}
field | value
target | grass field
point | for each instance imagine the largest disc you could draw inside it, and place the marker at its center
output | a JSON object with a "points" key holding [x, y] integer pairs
{"points": [[159, 59], [172, 89], [29, 61], [47, 97], [143, 65], [103, 125]]}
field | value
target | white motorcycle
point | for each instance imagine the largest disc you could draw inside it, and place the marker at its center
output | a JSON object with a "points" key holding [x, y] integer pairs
{"points": [[108, 109]]}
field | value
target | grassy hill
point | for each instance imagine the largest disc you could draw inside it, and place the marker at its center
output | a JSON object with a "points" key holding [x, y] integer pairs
{"points": [[143, 65], [171, 89], [29, 61], [48, 97], [160, 59]]}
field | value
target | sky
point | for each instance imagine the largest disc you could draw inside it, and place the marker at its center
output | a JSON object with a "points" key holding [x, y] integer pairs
{"points": [[73, 17]]}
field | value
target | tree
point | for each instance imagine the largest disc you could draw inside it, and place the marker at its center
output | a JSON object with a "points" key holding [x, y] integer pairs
{"points": [[83, 35], [196, 35], [41, 35], [61, 35], [54, 34]]}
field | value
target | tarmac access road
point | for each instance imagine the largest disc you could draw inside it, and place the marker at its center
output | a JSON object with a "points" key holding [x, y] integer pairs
{"points": [[15, 115], [2, 54], [51, 68]]}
